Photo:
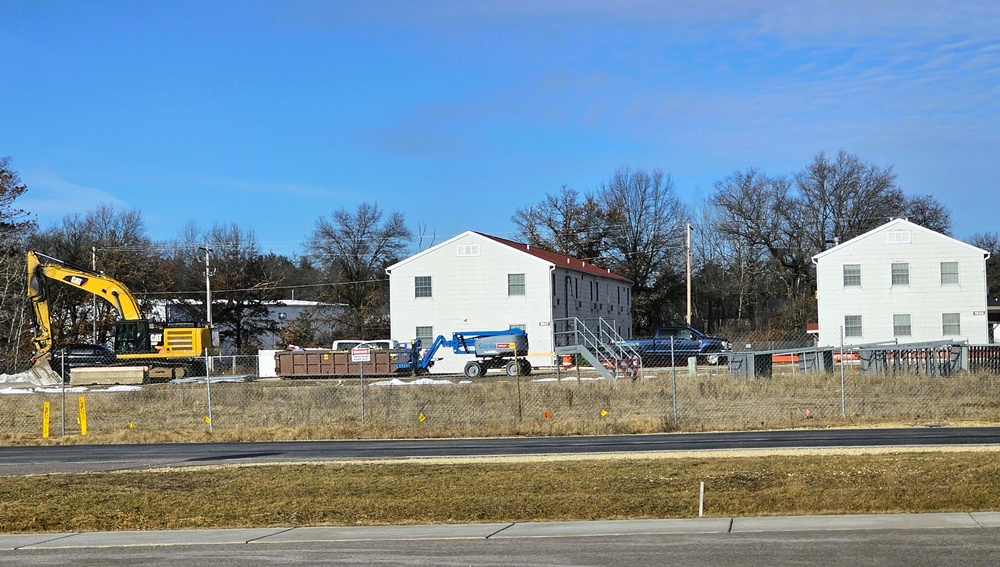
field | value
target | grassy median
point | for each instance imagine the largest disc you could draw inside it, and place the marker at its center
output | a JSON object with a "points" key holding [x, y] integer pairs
{"points": [[501, 491]]}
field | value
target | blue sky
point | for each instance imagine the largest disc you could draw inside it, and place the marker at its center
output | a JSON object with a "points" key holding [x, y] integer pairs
{"points": [[271, 114]]}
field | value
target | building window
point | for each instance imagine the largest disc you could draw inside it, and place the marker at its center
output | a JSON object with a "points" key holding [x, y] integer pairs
{"points": [[852, 326], [422, 286], [951, 324], [515, 284], [521, 326], [852, 275], [426, 336], [899, 236], [468, 250], [900, 274], [949, 273], [901, 326]]}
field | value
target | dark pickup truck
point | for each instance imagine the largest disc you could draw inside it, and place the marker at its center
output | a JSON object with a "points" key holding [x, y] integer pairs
{"points": [[681, 342]]}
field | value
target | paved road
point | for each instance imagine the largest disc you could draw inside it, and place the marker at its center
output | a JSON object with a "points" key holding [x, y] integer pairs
{"points": [[921, 540], [88, 458]]}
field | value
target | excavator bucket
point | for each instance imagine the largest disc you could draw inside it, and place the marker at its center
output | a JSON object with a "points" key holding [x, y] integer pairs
{"points": [[41, 373]]}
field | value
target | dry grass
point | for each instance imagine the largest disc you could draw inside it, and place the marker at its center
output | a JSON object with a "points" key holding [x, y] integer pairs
{"points": [[331, 409], [460, 492]]}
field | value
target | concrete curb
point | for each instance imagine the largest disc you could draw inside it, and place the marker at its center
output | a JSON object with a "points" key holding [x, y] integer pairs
{"points": [[975, 520]]}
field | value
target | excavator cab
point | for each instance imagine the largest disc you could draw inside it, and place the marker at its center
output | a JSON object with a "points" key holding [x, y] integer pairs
{"points": [[132, 337]]}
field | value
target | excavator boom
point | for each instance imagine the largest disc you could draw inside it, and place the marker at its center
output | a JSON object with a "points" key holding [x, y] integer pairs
{"points": [[133, 333]]}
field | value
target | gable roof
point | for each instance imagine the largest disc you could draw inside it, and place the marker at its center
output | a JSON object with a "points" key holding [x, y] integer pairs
{"points": [[898, 223], [553, 258], [557, 259]]}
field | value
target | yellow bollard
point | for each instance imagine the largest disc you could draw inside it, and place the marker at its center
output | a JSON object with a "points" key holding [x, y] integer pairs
{"points": [[83, 416], [46, 408]]}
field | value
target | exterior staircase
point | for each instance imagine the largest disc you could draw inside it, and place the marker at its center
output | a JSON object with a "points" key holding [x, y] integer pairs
{"points": [[599, 344]]}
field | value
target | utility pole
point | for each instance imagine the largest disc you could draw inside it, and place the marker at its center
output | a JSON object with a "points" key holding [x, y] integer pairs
{"points": [[689, 228], [208, 284], [93, 264]]}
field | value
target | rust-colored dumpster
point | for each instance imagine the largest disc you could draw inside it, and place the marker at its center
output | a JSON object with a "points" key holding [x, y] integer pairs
{"points": [[332, 363]]}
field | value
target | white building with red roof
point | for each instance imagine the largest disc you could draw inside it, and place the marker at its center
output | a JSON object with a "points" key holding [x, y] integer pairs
{"points": [[478, 282]]}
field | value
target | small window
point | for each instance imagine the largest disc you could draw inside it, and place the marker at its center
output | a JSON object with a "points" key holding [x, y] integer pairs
{"points": [[949, 273], [521, 326], [900, 274], [468, 250], [852, 275], [425, 335], [515, 284], [422, 286], [901, 326], [899, 236], [852, 326], [951, 324]]}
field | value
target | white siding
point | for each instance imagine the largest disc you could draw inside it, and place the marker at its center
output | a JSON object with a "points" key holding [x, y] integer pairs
{"points": [[924, 298], [469, 293]]}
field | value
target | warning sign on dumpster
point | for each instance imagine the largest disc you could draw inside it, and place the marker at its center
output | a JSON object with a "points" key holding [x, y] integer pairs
{"points": [[361, 354]]}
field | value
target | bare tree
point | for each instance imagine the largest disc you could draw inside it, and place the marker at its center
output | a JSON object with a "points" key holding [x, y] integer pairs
{"points": [[14, 222], [240, 281], [846, 197], [830, 201], [646, 235], [354, 248], [567, 223], [990, 241], [928, 212], [15, 226]]}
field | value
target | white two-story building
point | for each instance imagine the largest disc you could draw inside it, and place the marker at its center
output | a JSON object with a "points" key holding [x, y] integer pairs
{"points": [[477, 282], [901, 283]]}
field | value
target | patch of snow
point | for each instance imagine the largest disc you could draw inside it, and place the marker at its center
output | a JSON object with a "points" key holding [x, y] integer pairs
{"points": [[121, 388], [417, 382], [69, 389]]}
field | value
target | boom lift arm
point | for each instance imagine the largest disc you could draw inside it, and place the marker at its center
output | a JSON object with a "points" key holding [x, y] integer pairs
{"points": [[491, 348]]}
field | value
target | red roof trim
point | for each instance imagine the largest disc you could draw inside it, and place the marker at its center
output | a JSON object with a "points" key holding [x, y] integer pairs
{"points": [[557, 259]]}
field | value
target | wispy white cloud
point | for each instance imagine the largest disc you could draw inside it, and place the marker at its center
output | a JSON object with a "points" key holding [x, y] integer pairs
{"points": [[51, 197]]}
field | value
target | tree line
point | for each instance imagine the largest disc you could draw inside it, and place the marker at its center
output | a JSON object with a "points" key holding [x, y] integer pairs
{"points": [[753, 239]]}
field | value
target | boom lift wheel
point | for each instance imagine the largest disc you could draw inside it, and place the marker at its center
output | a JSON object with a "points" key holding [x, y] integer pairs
{"points": [[525, 367], [473, 369], [511, 368]]}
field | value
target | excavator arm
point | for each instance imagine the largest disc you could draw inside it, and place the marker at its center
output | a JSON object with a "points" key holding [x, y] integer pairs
{"points": [[43, 269]]}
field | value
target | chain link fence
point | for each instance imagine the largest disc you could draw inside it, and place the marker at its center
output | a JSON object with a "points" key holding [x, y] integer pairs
{"points": [[757, 384]]}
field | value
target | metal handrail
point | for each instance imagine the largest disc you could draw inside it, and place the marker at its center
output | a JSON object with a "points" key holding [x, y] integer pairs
{"points": [[605, 343]]}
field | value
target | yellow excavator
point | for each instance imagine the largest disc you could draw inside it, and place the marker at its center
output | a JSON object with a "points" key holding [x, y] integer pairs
{"points": [[171, 350]]}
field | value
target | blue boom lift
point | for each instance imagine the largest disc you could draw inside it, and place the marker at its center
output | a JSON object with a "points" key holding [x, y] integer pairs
{"points": [[492, 349]]}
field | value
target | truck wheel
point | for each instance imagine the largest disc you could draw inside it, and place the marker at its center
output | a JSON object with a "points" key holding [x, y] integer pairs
{"points": [[525, 367], [712, 358], [473, 369]]}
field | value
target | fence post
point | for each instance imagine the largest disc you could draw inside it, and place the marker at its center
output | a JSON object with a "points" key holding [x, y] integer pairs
{"points": [[843, 390], [208, 389], [673, 376]]}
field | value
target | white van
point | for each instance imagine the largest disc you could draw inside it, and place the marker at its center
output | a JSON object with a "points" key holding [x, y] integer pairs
{"points": [[380, 344]]}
